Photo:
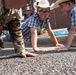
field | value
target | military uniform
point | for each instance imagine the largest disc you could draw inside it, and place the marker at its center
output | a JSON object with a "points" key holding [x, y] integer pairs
{"points": [[12, 18]]}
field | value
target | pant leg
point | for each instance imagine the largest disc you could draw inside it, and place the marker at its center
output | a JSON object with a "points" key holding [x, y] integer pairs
{"points": [[1, 28], [7, 38], [15, 31]]}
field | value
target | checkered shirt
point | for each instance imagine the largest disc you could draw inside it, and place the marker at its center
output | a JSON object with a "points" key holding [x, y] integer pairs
{"points": [[73, 15], [33, 22]]}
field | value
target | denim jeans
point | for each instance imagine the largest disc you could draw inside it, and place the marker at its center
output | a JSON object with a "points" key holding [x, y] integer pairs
{"points": [[8, 38]]}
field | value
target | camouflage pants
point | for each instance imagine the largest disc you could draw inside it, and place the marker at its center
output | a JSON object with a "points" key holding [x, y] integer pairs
{"points": [[14, 27]]}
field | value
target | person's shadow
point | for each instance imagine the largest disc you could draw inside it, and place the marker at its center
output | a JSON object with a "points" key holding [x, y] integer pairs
{"points": [[55, 51], [8, 54]]}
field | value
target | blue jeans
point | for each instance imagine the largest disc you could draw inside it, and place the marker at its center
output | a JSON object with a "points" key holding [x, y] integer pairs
{"points": [[68, 28], [8, 38]]}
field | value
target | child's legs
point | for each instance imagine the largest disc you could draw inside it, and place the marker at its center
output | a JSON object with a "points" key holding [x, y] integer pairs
{"points": [[1, 28], [1, 43], [7, 38]]}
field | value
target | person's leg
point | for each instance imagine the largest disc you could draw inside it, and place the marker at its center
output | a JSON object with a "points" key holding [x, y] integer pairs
{"points": [[1, 43], [17, 39], [6, 38], [1, 28]]}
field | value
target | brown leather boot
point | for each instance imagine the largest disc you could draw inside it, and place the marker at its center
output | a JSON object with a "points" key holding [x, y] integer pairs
{"points": [[2, 44]]}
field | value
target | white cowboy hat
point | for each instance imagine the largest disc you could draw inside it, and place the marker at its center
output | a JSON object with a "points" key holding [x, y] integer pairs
{"points": [[56, 4], [41, 3], [53, 6], [44, 4], [60, 1]]}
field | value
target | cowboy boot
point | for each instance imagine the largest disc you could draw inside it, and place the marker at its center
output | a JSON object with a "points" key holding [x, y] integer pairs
{"points": [[1, 43]]}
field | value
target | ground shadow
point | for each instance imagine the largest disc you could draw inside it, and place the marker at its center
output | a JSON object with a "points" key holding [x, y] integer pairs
{"points": [[55, 51], [8, 54]]}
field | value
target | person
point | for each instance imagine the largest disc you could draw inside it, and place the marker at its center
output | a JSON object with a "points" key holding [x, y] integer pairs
{"points": [[39, 20], [68, 6], [12, 18]]}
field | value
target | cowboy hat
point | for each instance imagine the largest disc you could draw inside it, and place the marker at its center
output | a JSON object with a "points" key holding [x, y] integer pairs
{"points": [[56, 4], [41, 4], [61, 1], [53, 6]]}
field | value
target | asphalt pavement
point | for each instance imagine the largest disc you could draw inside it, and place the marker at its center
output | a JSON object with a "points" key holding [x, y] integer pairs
{"points": [[51, 62]]}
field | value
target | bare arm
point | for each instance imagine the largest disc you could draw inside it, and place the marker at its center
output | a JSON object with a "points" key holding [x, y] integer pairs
{"points": [[51, 34], [34, 40], [34, 37], [70, 36], [69, 39]]}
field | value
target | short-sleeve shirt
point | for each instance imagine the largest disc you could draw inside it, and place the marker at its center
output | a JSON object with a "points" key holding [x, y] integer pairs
{"points": [[34, 22], [73, 15]]}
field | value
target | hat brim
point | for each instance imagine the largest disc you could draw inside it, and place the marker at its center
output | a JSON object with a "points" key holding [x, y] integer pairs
{"points": [[53, 6], [60, 1], [56, 4]]}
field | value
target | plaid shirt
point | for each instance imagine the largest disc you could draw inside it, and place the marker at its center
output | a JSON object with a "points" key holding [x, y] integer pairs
{"points": [[73, 15], [33, 22]]}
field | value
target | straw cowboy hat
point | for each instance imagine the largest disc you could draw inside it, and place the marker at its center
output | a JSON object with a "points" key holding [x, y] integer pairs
{"points": [[41, 4], [56, 4], [53, 6], [61, 1]]}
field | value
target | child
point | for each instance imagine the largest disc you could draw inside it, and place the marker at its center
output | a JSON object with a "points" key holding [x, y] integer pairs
{"points": [[68, 6], [39, 20]]}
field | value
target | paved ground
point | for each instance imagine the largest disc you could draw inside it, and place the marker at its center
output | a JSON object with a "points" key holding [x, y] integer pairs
{"points": [[50, 62]]}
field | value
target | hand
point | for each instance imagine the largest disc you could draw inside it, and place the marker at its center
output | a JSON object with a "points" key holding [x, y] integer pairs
{"points": [[73, 45], [62, 49], [39, 50], [27, 54], [60, 45]]}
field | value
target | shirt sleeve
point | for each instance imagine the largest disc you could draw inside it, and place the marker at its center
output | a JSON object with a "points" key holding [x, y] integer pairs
{"points": [[73, 17]]}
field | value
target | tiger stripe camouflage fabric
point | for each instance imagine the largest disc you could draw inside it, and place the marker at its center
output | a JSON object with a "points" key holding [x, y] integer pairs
{"points": [[12, 18]]}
